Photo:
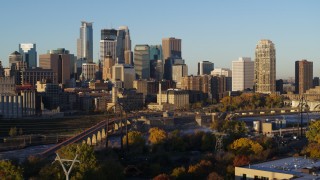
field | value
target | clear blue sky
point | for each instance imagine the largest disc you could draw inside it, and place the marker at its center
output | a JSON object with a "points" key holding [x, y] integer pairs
{"points": [[219, 31]]}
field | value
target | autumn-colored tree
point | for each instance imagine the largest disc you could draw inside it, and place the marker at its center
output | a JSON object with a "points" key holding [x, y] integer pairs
{"points": [[312, 150], [10, 171], [179, 173], [313, 134], [241, 160], [244, 146], [157, 135], [13, 131], [135, 138], [214, 176], [162, 177], [200, 170]]}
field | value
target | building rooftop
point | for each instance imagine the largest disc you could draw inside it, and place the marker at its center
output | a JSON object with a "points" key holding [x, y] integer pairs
{"points": [[301, 167]]}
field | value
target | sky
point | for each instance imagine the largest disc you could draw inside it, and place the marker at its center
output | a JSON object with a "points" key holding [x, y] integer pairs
{"points": [[213, 30]]}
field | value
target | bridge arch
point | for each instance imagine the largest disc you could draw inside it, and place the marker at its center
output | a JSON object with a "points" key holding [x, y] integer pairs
{"points": [[103, 133], [99, 137], [94, 139], [89, 141]]}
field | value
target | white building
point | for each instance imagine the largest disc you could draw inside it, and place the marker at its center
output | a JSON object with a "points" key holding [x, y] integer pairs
{"points": [[242, 74], [179, 71], [222, 72], [88, 71]]}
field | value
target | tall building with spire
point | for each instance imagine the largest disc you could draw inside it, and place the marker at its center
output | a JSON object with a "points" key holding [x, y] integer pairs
{"points": [[85, 42], [265, 67]]}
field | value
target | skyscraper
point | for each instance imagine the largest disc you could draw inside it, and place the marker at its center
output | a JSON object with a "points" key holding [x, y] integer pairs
{"points": [[265, 67], [118, 43], [171, 47], [156, 63], [205, 67], [60, 61], [304, 76], [107, 67], [29, 54], [142, 61], [85, 42], [242, 74], [179, 71]]}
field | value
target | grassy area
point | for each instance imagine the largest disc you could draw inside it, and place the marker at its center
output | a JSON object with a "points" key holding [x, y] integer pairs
{"points": [[63, 126]]}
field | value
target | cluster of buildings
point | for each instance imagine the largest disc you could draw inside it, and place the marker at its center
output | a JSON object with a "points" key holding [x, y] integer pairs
{"points": [[149, 76]]}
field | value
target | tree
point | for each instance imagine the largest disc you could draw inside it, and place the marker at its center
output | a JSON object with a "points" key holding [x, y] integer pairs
{"points": [[241, 160], [13, 131], [234, 129], [313, 134], [207, 142], [175, 141], [82, 170], [214, 176], [313, 150], [10, 171], [179, 173], [200, 170], [245, 146], [135, 138], [162, 177], [157, 135]]}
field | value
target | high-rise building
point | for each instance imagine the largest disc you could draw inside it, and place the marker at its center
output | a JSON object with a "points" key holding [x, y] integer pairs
{"points": [[265, 67], [107, 67], [179, 71], [60, 61], [304, 76], [221, 72], [14, 58], [124, 73], [242, 74], [125, 53], [88, 71], [279, 86], [29, 53], [142, 61], [316, 81], [171, 47], [155, 52], [85, 42], [32, 75], [117, 43], [205, 67]]}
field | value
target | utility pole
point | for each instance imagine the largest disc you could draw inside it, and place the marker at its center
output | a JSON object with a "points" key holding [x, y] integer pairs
{"points": [[66, 172]]}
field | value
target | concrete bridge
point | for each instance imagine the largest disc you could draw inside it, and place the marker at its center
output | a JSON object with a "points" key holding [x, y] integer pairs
{"points": [[94, 135]]}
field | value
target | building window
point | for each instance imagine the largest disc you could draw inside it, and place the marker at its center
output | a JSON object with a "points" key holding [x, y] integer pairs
{"points": [[244, 177]]}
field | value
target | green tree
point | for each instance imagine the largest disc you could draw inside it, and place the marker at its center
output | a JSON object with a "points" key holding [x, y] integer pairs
{"points": [[13, 131], [175, 141], [312, 150], [10, 171], [157, 135], [82, 170], [135, 138], [207, 142], [234, 129], [214, 176]]}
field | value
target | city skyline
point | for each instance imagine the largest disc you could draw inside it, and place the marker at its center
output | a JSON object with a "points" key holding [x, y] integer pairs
{"points": [[218, 32]]}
